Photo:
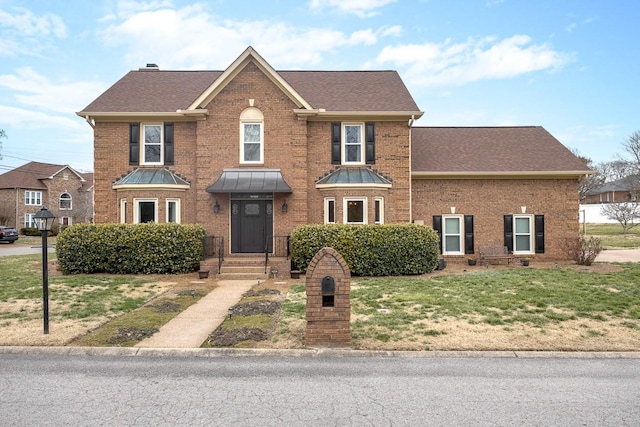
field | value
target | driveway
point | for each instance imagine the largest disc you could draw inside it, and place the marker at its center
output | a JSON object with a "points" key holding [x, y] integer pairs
{"points": [[619, 255], [7, 249]]}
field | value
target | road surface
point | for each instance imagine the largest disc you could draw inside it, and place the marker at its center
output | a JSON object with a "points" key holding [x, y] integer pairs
{"points": [[64, 390]]}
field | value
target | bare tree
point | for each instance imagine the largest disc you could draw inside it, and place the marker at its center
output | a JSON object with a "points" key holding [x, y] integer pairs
{"points": [[632, 148], [627, 214], [589, 182], [615, 170], [2, 135]]}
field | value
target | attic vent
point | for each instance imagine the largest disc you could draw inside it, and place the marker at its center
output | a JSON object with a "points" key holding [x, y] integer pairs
{"points": [[150, 67]]}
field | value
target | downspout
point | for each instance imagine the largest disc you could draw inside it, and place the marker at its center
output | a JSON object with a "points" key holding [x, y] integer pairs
{"points": [[410, 124]]}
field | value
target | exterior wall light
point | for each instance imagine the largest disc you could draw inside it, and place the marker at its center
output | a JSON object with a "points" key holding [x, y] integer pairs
{"points": [[285, 207], [216, 208]]}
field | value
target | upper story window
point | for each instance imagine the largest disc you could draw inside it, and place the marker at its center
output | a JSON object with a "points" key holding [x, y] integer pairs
{"points": [[353, 147], [353, 143], [251, 136], [33, 198], [65, 201], [151, 144]]}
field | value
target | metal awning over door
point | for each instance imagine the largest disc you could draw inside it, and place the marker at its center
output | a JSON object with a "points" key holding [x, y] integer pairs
{"points": [[250, 181]]}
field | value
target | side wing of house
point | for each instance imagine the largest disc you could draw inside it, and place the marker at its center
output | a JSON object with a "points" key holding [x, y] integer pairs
{"points": [[511, 186]]}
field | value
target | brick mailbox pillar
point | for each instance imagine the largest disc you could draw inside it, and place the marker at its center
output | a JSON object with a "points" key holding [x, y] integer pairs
{"points": [[328, 286]]}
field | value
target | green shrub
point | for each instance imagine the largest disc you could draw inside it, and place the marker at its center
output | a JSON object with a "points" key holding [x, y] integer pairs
{"points": [[30, 231], [130, 248], [376, 250]]}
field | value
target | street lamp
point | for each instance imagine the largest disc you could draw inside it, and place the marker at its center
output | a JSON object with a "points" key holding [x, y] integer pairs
{"points": [[44, 221]]}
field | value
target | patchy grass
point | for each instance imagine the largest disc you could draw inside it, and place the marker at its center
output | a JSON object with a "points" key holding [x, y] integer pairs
{"points": [[611, 235], [253, 318], [77, 303], [129, 329], [506, 309]]}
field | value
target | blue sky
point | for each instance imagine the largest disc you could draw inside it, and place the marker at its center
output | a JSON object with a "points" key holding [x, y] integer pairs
{"points": [[570, 66]]}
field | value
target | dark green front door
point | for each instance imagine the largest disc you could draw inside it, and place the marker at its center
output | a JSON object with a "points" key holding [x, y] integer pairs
{"points": [[251, 224]]}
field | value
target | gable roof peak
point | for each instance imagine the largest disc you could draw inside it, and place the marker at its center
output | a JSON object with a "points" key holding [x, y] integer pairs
{"points": [[249, 55]]}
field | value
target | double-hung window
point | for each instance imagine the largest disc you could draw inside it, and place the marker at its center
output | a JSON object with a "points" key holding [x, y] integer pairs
{"points": [[353, 148], [379, 210], [251, 147], [33, 198], [452, 235], [522, 234], [153, 148]]}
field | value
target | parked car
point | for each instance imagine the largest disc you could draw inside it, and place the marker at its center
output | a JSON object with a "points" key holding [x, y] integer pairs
{"points": [[8, 234]]}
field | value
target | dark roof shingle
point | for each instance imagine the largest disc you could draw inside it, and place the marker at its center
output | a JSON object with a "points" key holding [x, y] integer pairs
{"points": [[168, 91], [490, 150]]}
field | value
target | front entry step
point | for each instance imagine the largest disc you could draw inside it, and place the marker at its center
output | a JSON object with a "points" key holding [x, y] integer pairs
{"points": [[243, 268]]}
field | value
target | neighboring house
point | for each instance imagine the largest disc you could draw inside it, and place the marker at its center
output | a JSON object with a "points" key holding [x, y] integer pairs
{"points": [[251, 152], [619, 191], [67, 193]]}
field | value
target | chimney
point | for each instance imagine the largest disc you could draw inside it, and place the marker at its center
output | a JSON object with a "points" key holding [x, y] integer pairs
{"points": [[150, 67]]}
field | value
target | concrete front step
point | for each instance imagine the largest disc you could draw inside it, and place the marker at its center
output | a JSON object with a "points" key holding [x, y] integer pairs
{"points": [[242, 276], [238, 268]]}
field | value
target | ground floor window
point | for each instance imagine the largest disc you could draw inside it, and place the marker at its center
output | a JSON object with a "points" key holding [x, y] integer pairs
{"points": [[355, 210], [146, 210], [452, 235], [29, 222], [522, 234], [173, 210], [379, 210], [123, 211], [329, 211], [65, 220]]}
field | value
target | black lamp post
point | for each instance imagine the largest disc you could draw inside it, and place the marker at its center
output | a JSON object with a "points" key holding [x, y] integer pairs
{"points": [[44, 222]]}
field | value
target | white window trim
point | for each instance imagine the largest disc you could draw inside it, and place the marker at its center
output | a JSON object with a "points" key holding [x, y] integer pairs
{"points": [[178, 209], [30, 222], [445, 235], [70, 202], [37, 196], [143, 160], [343, 145], [242, 142], [345, 209], [327, 201], [69, 222], [531, 235], [123, 211], [380, 200], [136, 206]]}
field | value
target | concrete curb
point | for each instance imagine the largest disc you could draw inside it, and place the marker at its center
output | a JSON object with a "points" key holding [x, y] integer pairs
{"points": [[219, 353]]}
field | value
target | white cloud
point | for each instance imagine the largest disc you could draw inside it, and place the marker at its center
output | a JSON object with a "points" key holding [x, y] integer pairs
{"points": [[158, 36], [22, 31], [37, 91], [361, 8], [449, 63], [23, 118]]}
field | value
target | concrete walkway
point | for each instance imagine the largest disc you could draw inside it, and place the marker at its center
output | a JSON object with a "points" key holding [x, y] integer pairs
{"points": [[191, 328], [619, 255]]}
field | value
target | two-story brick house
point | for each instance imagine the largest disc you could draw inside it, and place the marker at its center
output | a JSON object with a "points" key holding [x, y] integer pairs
{"points": [[67, 193], [251, 153]]}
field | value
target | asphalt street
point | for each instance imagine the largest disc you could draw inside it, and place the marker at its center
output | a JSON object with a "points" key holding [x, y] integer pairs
{"points": [[61, 389]]}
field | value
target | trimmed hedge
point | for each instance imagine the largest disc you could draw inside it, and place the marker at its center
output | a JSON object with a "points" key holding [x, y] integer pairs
{"points": [[130, 248], [375, 250]]}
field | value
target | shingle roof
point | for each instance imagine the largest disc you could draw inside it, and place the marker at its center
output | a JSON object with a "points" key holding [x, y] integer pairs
{"points": [[168, 91], [30, 175], [490, 150]]}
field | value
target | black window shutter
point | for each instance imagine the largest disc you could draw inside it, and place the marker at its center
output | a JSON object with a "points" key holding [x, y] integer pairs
{"points": [[539, 229], [336, 140], [168, 143], [508, 232], [370, 142], [437, 227], [468, 234], [134, 143]]}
